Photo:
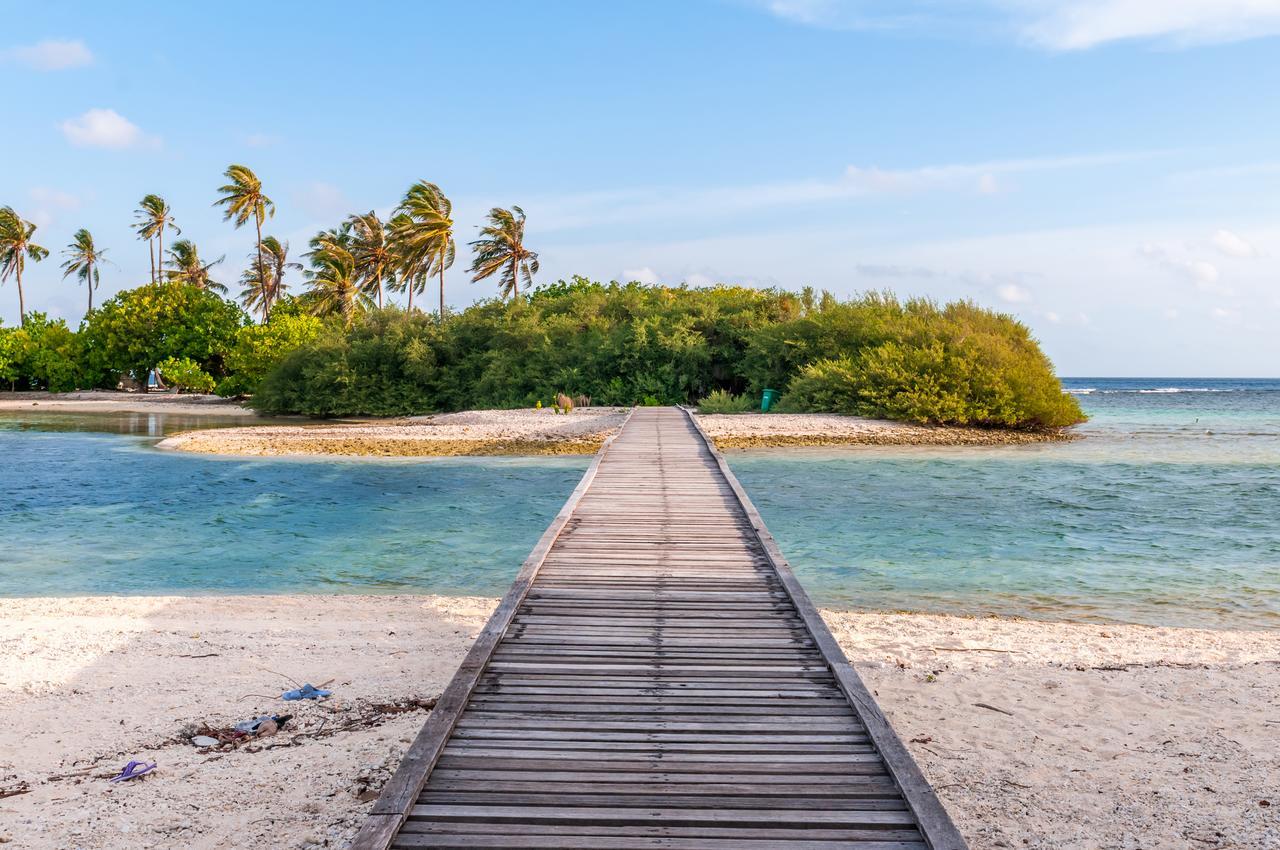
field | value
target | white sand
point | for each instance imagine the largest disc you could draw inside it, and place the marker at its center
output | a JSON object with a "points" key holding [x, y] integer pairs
{"points": [[1176, 749], [757, 430], [101, 401], [524, 431]]}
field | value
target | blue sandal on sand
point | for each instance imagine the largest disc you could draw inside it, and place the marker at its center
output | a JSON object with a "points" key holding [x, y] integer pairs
{"points": [[133, 770], [307, 691]]}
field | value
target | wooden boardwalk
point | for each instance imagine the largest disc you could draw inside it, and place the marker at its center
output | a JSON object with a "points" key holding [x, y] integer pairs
{"points": [[656, 678]]}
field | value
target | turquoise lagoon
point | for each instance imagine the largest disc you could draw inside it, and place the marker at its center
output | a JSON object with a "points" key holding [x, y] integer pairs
{"points": [[1167, 512]]}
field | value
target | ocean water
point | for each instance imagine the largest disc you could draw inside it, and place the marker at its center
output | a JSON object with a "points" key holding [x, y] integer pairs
{"points": [[1167, 512], [87, 506]]}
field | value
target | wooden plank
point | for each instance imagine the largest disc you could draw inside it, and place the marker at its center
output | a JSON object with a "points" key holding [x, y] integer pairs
{"points": [[404, 786], [652, 679], [939, 830]]}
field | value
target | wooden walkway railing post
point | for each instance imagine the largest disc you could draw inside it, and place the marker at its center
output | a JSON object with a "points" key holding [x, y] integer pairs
{"points": [[657, 678]]}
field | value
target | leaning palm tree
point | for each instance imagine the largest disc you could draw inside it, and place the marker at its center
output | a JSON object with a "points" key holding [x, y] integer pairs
{"points": [[277, 257], [261, 293], [500, 250], [422, 231], [83, 260], [16, 248], [185, 266], [335, 284], [152, 217], [373, 252], [244, 200], [253, 292], [411, 269]]}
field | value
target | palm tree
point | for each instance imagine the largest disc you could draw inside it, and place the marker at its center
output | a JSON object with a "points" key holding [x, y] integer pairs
{"points": [[373, 252], [16, 248], [423, 234], [500, 248], [83, 259], [153, 216], [335, 284], [259, 294], [185, 266], [243, 199], [277, 257]]}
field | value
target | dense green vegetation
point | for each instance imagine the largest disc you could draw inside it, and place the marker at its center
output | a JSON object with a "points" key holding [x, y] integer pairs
{"points": [[631, 344], [616, 344]]}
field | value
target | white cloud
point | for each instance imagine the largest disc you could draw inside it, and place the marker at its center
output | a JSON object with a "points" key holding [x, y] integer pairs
{"points": [[55, 198], [1081, 24], [49, 202], [1047, 24], [644, 275], [1013, 293], [322, 200], [105, 128], [1204, 274], [857, 181], [1225, 314], [1233, 245], [962, 176], [50, 55]]}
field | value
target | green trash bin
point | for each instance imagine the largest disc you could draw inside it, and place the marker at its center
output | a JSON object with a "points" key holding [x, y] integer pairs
{"points": [[767, 400]]}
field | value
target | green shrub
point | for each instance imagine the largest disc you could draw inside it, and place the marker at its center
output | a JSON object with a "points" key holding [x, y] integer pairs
{"points": [[185, 374], [138, 328], [723, 401], [258, 349], [384, 365], [957, 366], [632, 344], [42, 354]]}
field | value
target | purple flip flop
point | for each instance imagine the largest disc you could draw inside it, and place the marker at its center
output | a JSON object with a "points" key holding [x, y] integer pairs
{"points": [[133, 770]]}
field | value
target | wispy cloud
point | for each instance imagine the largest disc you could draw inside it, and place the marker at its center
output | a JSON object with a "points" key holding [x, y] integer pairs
{"points": [[1049, 24], [322, 201], [1233, 245], [1081, 24], [856, 182], [50, 55], [106, 128], [1182, 261]]}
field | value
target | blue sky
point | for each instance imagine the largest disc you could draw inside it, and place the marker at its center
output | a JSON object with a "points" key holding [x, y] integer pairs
{"points": [[1107, 170]]}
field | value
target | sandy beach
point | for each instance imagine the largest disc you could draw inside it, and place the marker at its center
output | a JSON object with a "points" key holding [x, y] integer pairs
{"points": [[1040, 735], [477, 432], [103, 401], [540, 432]]}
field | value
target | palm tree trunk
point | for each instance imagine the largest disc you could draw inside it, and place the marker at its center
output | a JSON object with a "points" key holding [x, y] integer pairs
{"points": [[22, 304], [159, 254], [410, 282], [262, 275], [515, 279], [151, 249], [442, 292], [90, 282]]}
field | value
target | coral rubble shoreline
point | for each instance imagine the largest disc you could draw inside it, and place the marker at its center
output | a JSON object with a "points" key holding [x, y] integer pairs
{"points": [[543, 432]]}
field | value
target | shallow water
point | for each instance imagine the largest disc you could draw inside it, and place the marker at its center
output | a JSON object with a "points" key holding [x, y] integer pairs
{"points": [[104, 513], [1167, 513]]}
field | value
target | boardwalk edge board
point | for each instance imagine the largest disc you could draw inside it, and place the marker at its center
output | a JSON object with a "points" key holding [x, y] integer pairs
{"points": [[398, 796], [939, 830], [656, 677]]}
